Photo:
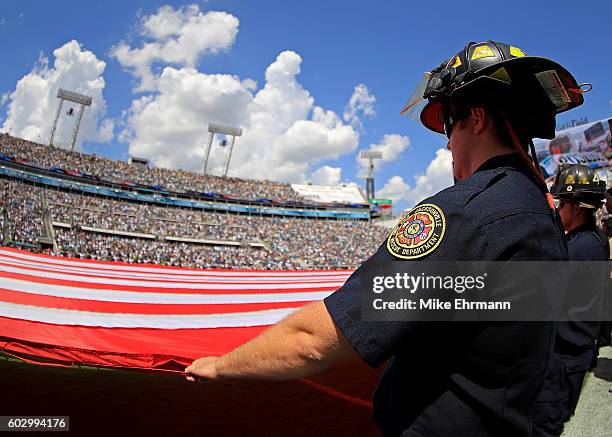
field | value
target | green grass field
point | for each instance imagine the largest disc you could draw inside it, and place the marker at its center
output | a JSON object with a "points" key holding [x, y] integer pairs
{"points": [[593, 416]]}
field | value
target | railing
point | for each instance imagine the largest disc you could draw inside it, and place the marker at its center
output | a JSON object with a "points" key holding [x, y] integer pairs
{"points": [[171, 238]]}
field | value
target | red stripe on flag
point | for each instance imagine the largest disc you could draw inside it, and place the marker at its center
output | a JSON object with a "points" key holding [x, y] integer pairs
{"points": [[130, 342]]}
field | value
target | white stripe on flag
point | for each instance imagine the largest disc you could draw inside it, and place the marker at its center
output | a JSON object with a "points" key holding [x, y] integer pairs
{"points": [[112, 320], [154, 297], [165, 277]]}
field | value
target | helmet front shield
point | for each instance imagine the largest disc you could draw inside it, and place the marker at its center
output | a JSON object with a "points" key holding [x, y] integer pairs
{"points": [[412, 109]]}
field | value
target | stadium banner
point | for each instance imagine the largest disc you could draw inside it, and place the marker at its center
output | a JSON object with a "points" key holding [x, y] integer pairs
{"points": [[589, 144], [63, 311], [595, 160], [385, 205], [327, 194]]}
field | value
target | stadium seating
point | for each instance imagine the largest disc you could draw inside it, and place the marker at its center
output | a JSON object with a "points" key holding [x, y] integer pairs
{"points": [[92, 227], [122, 172]]}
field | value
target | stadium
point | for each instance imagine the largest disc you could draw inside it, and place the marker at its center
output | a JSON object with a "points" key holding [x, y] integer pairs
{"points": [[66, 217], [82, 206], [62, 206], [141, 232]]}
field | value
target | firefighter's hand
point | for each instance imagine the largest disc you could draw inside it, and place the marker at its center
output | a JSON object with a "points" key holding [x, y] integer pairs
{"points": [[202, 369]]}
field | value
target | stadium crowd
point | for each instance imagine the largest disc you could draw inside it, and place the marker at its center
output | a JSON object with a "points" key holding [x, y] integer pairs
{"points": [[288, 243], [21, 213], [120, 172]]}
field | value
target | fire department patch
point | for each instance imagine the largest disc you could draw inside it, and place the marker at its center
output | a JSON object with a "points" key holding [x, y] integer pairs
{"points": [[418, 233]]}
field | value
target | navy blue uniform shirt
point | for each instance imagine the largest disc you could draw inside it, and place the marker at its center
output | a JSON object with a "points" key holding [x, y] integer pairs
{"points": [[576, 340], [575, 343], [463, 378], [586, 243]]}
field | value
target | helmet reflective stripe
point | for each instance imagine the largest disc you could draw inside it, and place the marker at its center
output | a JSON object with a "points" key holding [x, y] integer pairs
{"points": [[581, 183], [526, 89]]}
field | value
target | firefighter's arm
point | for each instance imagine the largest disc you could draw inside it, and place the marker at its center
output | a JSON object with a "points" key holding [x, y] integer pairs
{"points": [[305, 343]]}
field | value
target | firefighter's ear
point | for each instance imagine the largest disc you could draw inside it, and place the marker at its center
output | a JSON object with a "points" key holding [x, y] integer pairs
{"points": [[478, 120]]}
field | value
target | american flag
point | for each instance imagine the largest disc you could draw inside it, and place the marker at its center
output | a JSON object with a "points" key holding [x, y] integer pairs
{"points": [[64, 311]]}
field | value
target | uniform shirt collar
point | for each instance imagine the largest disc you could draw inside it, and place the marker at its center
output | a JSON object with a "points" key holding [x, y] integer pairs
{"points": [[588, 226], [507, 160]]}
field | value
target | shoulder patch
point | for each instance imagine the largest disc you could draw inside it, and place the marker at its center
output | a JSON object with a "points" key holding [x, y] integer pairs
{"points": [[418, 233]]}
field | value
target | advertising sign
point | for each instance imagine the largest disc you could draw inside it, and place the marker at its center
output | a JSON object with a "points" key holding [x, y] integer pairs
{"points": [[589, 144], [326, 194]]}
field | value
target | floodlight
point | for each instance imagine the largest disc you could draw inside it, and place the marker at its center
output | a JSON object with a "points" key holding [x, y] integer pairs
{"points": [[71, 96], [371, 154], [226, 130], [79, 99], [214, 128]]}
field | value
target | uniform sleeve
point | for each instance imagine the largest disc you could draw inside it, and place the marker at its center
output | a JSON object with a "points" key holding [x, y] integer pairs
{"points": [[375, 342]]}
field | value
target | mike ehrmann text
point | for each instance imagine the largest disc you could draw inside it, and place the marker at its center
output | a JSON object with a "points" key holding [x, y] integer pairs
{"points": [[438, 304]]}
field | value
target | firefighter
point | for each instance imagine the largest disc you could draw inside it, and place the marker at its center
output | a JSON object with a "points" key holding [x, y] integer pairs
{"points": [[462, 379]]}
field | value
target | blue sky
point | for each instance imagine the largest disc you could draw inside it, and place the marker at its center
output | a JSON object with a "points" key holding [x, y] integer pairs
{"points": [[386, 46]]}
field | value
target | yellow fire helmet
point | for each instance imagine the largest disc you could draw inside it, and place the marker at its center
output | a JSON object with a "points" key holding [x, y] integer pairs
{"points": [[527, 90]]}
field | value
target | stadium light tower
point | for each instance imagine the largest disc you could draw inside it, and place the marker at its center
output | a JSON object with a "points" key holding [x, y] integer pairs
{"points": [[370, 155], [225, 130], [79, 99]]}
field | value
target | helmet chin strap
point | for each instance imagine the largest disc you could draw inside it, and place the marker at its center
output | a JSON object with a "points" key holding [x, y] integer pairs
{"points": [[534, 165]]}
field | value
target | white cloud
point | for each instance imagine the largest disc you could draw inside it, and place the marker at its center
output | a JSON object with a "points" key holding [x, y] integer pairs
{"points": [[391, 146], [4, 99], [326, 175], [439, 175], [178, 37], [361, 104], [284, 132], [395, 189], [32, 105]]}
